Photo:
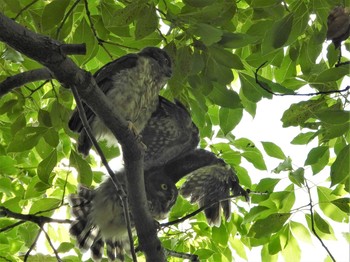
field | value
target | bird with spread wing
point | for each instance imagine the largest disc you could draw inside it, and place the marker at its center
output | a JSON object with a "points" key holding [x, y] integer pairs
{"points": [[132, 83], [171, 139]]}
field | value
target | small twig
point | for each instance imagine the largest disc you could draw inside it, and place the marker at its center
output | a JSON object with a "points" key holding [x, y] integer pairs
{"points": [[100, 42], [265, 87], [176, 221], [32, 91], [12, 226], [25, 8], [313, 223], [65, 18], [32, 246], [120, 191], [40, 220], [191, 257], [51, 244]]}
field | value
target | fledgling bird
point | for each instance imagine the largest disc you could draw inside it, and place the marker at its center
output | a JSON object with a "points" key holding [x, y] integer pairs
{"points": [[132, 83], [338, 23], [100, 217], [169, 133]]}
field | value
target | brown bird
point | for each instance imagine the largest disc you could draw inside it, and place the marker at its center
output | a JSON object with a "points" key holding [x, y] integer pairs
{"points": [[338, 23]]}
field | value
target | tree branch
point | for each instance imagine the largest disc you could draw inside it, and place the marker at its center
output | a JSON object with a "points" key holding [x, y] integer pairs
{"points": [[69, 74], [266, 87], [120, 191], [313, 223], [23, 78]]}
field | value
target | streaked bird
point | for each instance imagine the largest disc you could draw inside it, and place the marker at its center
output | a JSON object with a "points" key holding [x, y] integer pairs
{"points": [[132, 83]]}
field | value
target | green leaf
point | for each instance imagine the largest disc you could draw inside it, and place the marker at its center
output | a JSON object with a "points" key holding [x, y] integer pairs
{"points": [[8, 165], [146, 23], [333, 74], [44, 204], [286, 165], [226, 58], [26, 139], [256, 158], [326, 202], [273, 150], [204, 253], [274, 246], [292, 251], [269, 225], [343, 204], [281, 31], [5, 183], [65, 247], [236, 40], [224, 97], [321, 224], [297, 176], [199, 3], [51, 137], [46, 166], [300, 231], [83, 168], [44, 118], [340, 169], [208, 34], [220, 234], [299, 113], [303, 138], [315, 154], [229, 118], [334, 117], [53, 14]]}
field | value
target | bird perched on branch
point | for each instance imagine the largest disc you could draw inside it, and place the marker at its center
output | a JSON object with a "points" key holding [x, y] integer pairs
{"points": [[132, 83], [100, 217], [171, 139], [338, 23]]}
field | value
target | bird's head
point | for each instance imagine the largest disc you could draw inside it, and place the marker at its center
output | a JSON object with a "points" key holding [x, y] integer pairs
{"points": [[162, 58]]}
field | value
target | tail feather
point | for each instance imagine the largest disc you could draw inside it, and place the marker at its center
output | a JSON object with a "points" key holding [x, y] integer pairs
{"points": [[97, 249]]}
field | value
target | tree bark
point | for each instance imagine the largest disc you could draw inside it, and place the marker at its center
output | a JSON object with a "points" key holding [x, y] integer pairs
{"points": [[50, 53]]}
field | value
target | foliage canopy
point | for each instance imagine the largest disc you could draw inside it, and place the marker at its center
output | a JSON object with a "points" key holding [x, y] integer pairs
{"points": [[216, 46]]}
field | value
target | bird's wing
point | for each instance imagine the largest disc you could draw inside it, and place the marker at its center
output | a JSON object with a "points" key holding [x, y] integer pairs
{"points": [[168, 134], [103, 78], [211, 186]]}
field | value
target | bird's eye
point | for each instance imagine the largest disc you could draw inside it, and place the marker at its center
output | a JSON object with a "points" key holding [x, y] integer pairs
{"points": [[166, 61], [164, 186]]}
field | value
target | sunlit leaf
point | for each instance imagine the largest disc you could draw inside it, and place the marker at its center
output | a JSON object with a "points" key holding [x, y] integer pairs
{"points": [[271, 224], [341, 166], [273, 150]]}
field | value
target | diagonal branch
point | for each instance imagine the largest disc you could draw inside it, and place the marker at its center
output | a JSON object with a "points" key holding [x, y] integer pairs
{"points": [[21, 79], [120, 191], [313, 222], [264, 86], [69, 74]]}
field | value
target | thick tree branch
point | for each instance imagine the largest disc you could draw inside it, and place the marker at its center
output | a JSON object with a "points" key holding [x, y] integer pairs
{"points": [[69, 74], [21, 79]]}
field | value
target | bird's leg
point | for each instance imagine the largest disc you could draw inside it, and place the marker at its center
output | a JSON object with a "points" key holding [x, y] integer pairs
{"points": [[133, 129]]}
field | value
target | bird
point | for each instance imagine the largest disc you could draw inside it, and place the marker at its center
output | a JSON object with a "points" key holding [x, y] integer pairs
{"points": [[172, 154], [168, 134], [100, 217], [132, 83], [338, 23]]}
